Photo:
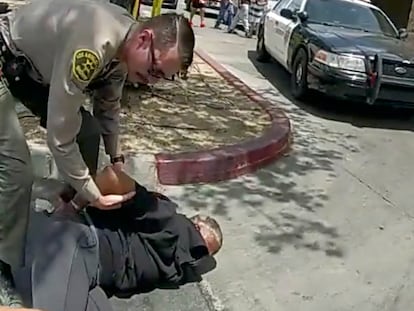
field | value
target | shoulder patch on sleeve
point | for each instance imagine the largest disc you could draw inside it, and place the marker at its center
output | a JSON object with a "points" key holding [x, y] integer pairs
{"points": [[85, 64]]}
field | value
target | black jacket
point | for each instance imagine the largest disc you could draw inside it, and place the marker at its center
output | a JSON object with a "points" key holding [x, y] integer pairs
{"points": [[146, 244]]}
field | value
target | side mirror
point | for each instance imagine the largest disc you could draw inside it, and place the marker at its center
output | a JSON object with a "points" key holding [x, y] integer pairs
{"points": [[402, 33], [303, 16], [286, 13]]}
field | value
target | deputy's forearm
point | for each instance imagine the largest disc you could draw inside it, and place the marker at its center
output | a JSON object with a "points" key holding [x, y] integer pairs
{"points": [[111, 143], [73, 169], [108, 118]]}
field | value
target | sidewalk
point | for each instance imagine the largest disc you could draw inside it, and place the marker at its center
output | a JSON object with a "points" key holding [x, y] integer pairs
{"points": [[188, 298]]}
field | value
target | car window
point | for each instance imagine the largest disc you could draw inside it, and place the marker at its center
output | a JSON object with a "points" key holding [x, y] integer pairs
{"points": [[281, 5], [294, 5], [348, 14]]}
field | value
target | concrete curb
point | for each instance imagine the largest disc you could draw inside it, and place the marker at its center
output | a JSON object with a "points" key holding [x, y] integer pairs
{"points": [[205, 166], [227, 162]]}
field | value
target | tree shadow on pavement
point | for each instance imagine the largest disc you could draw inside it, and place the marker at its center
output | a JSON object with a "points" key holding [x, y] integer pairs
{"points": [[279, 211], [357, 114], [282, 211], [282, 201]]}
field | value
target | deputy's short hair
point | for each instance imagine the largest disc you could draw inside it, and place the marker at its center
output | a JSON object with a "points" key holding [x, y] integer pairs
{"points": [[172, 29]]}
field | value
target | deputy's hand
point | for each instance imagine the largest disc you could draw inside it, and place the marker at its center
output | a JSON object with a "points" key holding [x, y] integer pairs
{"points": [[118, 166], [112, 201]]}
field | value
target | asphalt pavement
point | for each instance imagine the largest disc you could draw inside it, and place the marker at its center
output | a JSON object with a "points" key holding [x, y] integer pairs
{"points": [[329, 227]]}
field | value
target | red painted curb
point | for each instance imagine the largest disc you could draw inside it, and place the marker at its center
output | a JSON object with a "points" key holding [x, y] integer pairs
{"points": [[227, 162]]}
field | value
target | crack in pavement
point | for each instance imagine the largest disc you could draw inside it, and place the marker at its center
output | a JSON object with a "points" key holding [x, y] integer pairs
{"points": [[214, 303], [377, 193]]}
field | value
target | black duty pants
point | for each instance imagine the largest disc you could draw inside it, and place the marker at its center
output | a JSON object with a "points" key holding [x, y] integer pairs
{"points": [[65, 268]]}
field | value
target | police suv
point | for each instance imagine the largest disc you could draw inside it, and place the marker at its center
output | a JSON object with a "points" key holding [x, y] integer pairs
{"points": [[344, 48]]}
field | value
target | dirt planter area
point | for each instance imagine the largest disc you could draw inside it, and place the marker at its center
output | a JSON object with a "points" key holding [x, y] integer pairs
{"points": [[203, 112], [209, 128]]}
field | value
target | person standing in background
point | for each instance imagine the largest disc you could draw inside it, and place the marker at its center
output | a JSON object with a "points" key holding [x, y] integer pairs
{"points": [[241, 15], [200, 6], [256, 10], [226, 14]]}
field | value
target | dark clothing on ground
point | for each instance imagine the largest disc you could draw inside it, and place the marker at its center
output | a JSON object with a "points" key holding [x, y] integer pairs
{"points": [[135, 249], [157, 244]]}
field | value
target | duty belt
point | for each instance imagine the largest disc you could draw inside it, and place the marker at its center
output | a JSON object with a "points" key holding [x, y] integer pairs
{"points": [[15, 67], [12, 66]]}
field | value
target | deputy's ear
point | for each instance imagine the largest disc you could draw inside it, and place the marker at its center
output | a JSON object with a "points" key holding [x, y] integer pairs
{"points": [[143, 39]]}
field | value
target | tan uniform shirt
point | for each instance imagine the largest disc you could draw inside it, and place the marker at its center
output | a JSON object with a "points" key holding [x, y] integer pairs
{"points": [[71, 43]]}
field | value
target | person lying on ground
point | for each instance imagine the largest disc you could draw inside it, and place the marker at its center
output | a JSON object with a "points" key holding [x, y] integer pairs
{"points": [[83, 258]]}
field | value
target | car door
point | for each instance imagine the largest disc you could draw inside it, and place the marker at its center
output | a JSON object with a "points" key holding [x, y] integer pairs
{"points": [[271, 27], [285, 29]]}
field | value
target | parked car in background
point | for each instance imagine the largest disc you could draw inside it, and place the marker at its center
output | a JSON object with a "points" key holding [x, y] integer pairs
{"points": [[344, 48]]}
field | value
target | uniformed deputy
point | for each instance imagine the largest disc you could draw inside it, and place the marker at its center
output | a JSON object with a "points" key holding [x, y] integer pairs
{"points": [[54, 54]]}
